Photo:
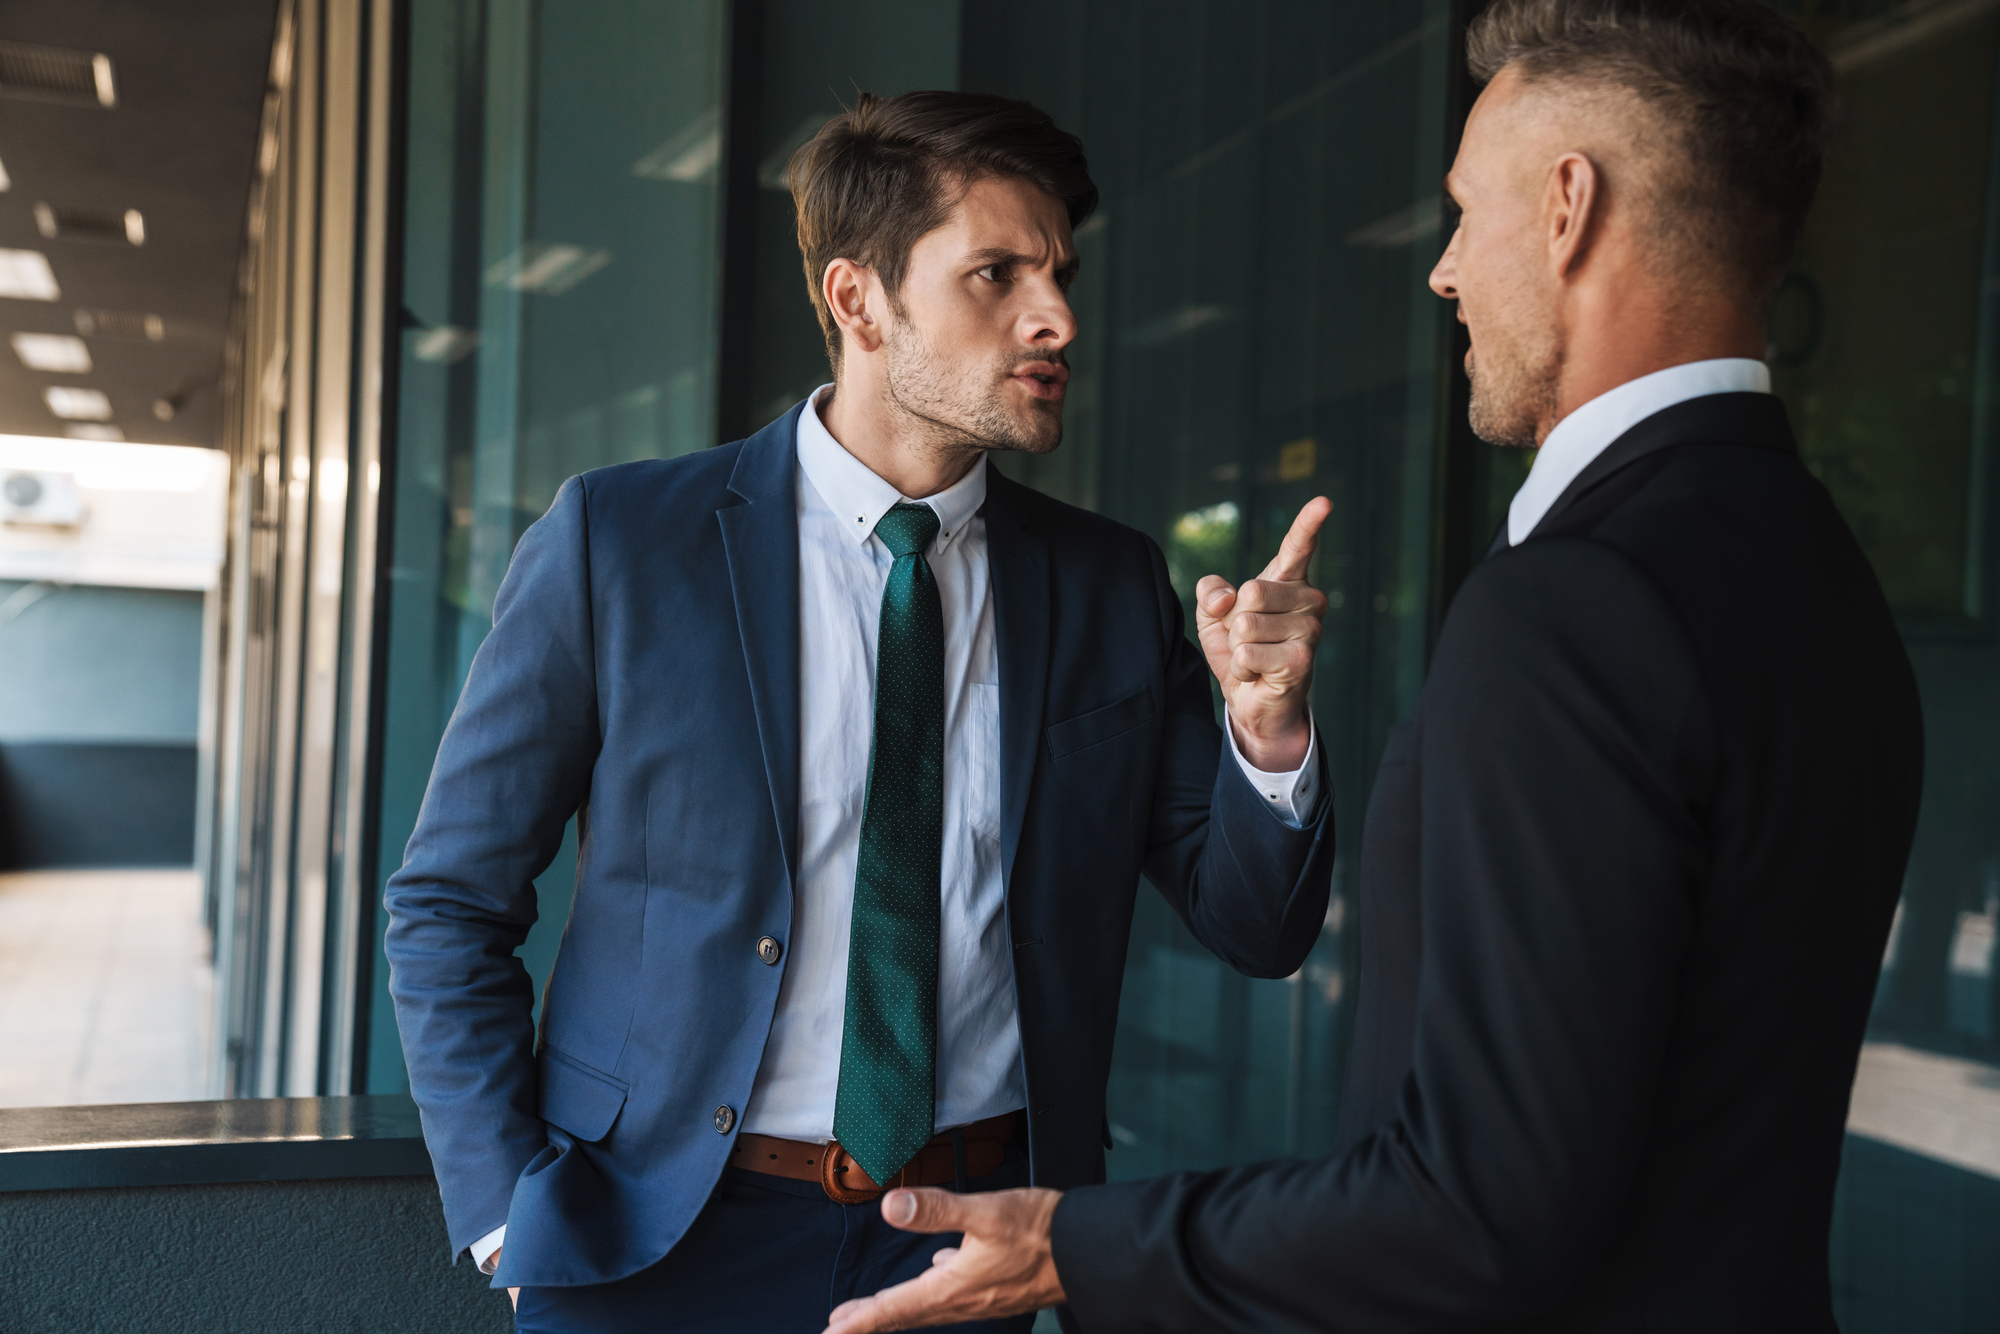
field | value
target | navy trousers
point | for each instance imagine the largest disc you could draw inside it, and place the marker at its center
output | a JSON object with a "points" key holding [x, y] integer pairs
{"points": [[766, 1255]]}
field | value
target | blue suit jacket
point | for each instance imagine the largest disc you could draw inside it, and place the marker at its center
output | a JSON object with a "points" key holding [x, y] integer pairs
{"points": [[643, 675]]}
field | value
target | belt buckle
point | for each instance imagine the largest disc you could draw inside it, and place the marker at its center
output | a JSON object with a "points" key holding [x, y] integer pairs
{"points": [[833, 1164]]}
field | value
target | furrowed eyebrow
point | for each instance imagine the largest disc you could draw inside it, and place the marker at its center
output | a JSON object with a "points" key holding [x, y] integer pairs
{"points": [[979, 259]]}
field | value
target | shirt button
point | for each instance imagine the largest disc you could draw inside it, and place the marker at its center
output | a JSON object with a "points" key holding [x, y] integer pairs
{"points": [[768, 949], [725, 1118]]}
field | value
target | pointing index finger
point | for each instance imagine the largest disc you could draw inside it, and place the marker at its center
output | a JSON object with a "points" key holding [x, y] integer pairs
{"points": [[1295, 553]]}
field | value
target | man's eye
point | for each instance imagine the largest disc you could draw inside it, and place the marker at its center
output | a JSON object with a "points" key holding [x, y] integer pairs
{"points": [[994, 273]]}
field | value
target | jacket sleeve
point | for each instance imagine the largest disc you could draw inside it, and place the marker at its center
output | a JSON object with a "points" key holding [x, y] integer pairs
{"points": [[513, 766], [1251, 889], [1558, 852]]}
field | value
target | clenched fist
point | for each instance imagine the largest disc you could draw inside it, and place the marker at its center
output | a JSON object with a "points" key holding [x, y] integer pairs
{"points": [[1260, 640]]}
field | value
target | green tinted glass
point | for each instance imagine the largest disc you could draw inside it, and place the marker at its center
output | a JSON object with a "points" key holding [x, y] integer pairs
{"points": [[560, 238]]}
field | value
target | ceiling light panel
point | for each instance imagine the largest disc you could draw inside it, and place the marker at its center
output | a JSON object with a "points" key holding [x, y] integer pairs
{"points": [[65, 354], [26, 275], [89, 405], [128, 325], [68, 223], [57, 74]]}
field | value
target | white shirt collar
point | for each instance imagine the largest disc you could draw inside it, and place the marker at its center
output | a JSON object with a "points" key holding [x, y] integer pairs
{"points": [[1579, 438], [853, 491]]}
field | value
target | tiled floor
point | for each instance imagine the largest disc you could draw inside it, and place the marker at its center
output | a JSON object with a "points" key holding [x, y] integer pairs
{"points": [[105, 988]]}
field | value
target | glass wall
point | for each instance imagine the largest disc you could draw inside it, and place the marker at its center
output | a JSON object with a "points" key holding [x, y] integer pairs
{"points": [[1256, 332], [816, 57], [559, 306], [1883, 344]]}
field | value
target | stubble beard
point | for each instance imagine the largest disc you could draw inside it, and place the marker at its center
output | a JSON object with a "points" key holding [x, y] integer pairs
{"points": [[1513, 388], [957, 408]]}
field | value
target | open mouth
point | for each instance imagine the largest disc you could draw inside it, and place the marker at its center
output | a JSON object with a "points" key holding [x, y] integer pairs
{"points": [[1043, 379]]}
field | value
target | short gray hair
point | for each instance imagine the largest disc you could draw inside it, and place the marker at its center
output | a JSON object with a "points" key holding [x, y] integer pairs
{"points": [[1748, 95]]}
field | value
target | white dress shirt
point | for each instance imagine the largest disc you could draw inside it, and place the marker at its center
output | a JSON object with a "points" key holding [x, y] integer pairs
{"points": [[1579, 438], [843, 569]]}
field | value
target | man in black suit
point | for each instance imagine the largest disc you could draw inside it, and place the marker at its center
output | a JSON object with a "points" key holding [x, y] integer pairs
{"points": [[1631, 862]]}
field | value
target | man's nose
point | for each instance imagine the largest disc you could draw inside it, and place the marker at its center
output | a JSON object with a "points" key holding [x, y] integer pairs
{"points": [[1444, 278], [1050, 323]]}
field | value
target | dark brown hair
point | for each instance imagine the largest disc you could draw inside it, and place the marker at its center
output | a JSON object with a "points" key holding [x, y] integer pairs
{"points": [[1749, 97], [887, 171]]}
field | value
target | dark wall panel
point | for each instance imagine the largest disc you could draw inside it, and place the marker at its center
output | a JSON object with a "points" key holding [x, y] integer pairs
{"points": [[363, 1256], [1911, 1243], [77, 804], [83, 663]]}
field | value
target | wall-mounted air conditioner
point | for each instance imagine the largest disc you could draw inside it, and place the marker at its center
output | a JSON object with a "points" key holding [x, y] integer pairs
{"points": [[40, 499]]}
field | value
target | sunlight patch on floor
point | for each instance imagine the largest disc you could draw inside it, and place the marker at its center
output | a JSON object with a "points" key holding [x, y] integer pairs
{"points": [[106, 993]]}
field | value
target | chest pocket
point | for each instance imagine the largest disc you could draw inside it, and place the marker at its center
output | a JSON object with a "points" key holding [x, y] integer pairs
{"points": [[1100, 725]]}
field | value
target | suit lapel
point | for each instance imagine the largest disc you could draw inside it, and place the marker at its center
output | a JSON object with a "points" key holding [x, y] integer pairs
{"points": [[760, 538], [1018, 562]]}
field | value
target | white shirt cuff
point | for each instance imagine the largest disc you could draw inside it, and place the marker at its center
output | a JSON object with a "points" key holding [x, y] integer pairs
{"points": [[1291, 796], [487, 1248]]}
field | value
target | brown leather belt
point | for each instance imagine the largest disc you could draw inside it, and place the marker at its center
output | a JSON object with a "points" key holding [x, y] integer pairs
{"points": [[936, 1164]]}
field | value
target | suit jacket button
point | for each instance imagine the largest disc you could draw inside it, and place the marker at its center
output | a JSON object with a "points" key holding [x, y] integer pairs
{"points": [[768, 949], [725, 1117]]}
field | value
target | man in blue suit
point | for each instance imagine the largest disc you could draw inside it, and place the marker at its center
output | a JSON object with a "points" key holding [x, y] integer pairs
{"points": [[868, 748]]}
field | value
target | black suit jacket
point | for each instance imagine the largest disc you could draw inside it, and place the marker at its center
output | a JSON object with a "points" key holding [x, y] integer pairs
{"points": [[1629, 870]]}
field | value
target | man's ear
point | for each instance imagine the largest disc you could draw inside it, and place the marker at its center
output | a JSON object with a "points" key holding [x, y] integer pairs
{"points": [[854, 294], [1571, 208]]}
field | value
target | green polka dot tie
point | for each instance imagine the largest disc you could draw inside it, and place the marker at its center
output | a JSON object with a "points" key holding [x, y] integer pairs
{"points": [[883, 1109]]}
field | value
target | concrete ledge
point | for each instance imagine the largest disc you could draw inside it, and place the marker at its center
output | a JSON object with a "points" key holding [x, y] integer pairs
{"points": [[210, 1143]]}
